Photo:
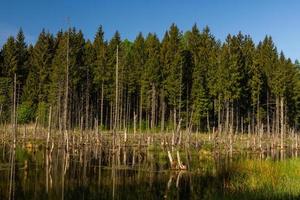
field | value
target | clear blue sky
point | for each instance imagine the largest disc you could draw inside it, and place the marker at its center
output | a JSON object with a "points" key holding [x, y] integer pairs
{"points": [[278, 18]]}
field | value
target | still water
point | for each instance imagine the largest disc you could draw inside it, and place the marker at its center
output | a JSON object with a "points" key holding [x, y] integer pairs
{"points": [[32, 172]]}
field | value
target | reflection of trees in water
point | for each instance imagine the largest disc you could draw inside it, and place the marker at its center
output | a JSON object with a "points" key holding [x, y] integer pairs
{"points": [[93, 171], [12, 173]]}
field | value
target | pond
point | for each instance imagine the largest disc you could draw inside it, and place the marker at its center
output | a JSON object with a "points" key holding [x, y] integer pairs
{"points": [[32, 172]]}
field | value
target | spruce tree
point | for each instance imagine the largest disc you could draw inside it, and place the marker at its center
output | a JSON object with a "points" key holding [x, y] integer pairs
{"points": [[100, 76], [10, 60], [151, 77], [137, 76], [114, 44], [87, 78], [172, 72]]}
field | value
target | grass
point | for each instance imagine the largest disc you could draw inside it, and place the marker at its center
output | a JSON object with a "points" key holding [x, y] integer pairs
{"points": [[265, 179]]}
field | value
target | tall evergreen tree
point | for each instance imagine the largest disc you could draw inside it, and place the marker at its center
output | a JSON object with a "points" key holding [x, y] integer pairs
{"points": [[100, 69], [151, 76], [87, 78], [202, 46], [137, 75], [22, 56], [113, 46], [172, 72], [10, 60]]}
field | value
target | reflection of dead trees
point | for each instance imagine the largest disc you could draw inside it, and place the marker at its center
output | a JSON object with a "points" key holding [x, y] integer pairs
{"points": [[63, 179], [179, 175], [48, 167], [12, 174], [47, 172], [13, 149], [65, 165], [99, 165], [170, 181], [113, 176]]}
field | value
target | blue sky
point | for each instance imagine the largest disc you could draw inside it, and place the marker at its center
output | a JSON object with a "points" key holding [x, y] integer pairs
{"points": [[278, 18]]}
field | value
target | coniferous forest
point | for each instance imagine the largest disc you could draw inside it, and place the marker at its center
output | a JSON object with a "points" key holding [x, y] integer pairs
{"points": [[150, 84]]}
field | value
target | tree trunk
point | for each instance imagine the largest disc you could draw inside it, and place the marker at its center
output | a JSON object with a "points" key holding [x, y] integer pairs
{"points": [[49, 126], [101, 106], [87, 103], [119, 101], [174, 118], [134, 122], [207, 121], [187, 108], [127, 113], [232, 118], [257, 114], [253, 120], [242, 125], [162, 127], [237, 117], [66, 89], [227, 115], [14, 112], [116, 97], [153, 107], [282, 120], [268, 114], [141, 111], [219, 113], [277, 115], [111, 117]]}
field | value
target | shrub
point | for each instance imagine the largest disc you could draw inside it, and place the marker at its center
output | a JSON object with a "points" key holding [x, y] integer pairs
{"points": [[25, 113]]}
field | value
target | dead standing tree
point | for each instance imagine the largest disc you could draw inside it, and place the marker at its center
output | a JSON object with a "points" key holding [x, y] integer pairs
{"points": [[14, 117], [116, 99], [65, 116]]}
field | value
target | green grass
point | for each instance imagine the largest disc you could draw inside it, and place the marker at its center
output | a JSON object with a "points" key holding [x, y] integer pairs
{"points": [[265, 179]]}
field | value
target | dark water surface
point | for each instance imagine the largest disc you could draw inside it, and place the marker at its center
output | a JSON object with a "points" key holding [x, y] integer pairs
{"points": [[129, 173]]}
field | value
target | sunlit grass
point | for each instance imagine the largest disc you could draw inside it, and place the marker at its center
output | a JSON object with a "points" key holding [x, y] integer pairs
{"points": [[266, 178]]}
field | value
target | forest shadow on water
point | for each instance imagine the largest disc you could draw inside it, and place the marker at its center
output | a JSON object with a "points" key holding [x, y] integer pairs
{"points": [[95, 172]]}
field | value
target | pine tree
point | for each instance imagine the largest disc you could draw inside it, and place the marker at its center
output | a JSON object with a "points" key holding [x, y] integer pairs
{"points": [[37, 85], [256, 85], [87, 77], [10, 61], [100, 68], [231, 76], [129, 85], [22, 57], [172, 71], [29, 101], [42, 59], [202, 46], [296, 97], [8, 70], [57, 78], [137, 75], [151, 77], [114, 44], [269, 63]]}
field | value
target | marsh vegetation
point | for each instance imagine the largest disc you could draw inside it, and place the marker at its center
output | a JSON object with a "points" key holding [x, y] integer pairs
{"points": [[90, 166]]}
